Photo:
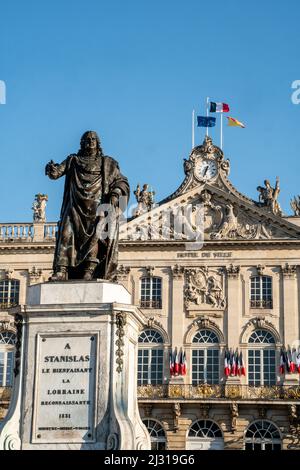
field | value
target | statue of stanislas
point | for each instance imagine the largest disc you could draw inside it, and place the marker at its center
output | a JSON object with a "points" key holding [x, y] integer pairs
{"points": [[92, 181]]}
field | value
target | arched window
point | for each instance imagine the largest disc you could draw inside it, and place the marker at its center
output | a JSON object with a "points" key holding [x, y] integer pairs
{"points": [[9, 293], [157, 434], [261, 292], [150, 358], [7, 345], [205, 435], [151, 292], [205, 358], [262, 435], [261, 359]]}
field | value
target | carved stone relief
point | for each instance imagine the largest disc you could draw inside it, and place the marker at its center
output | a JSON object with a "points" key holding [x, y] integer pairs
{"points": [[204, 288]]}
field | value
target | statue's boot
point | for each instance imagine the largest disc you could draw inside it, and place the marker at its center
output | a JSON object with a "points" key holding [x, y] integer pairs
{"points": [[89, 270], [60, 275]]}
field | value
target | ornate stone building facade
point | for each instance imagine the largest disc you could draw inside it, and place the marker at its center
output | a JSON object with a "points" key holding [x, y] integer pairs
{"points": [[217, 276]]}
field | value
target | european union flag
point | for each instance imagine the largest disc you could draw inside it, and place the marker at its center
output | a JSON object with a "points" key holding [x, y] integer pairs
{"points": [[206, 121]]}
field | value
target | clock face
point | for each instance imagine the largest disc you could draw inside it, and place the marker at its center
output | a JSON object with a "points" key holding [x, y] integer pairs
{"points": [[206, 169]]}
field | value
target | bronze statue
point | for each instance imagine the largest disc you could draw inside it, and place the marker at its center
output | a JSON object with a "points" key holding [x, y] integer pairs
{"points": [[93, 187]]}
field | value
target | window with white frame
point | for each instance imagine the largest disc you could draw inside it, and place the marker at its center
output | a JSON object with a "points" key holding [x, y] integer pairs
{"points": [[261, 292], [262, 435], [151, 289], [157, 434], [261, 359], [205, 358], [9, 293], [150, 358], [7, 346], [205, 428]]}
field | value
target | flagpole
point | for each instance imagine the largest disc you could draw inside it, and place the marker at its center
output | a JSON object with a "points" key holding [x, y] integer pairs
{"points": [[193, 129], [221, 130], [207, 99]]}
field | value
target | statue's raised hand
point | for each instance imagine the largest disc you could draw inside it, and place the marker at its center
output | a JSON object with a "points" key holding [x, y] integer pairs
{"points": [[51, 169]]}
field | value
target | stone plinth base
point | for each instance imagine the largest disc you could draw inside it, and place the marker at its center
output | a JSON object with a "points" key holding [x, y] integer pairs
{"points": [[76, 382]]}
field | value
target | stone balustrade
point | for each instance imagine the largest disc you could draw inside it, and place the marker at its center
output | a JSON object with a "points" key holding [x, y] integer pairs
{"points": [[27, 232]]}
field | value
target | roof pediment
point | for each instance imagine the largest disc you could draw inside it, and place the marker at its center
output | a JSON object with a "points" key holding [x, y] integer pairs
{"points": [[207, 206], [217, 212]]}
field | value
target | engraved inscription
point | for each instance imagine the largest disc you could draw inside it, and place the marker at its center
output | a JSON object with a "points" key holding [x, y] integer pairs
{"points": [[65, 389]]}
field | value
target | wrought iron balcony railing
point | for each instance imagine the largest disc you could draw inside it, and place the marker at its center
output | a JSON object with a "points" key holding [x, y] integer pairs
{"points": [[150, 303], [261, 303], [206, 391]]}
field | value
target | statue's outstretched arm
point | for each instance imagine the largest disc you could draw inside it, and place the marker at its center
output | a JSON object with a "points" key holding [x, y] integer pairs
{"points": [[55, 170]]}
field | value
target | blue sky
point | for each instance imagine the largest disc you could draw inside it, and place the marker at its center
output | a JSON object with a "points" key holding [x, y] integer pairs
{"points": [[133, 71]]}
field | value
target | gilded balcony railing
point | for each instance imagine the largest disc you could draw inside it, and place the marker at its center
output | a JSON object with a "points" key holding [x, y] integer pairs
{"points": [[220, 391], [5, 393]]}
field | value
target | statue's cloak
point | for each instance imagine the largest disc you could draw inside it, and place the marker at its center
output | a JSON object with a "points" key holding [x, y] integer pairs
{"points": [[89, 184]]}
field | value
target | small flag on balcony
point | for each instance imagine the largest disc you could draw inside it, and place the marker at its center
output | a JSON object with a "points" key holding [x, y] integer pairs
{"points": [[287, 361], [282, 362], [227, 363], [292, 360], [182, 365], [171, 364], [233, 364], [242, 365], [176, 364], [298, 361]]}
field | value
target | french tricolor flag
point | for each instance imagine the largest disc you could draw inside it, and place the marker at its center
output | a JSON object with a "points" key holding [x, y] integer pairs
{"points": [[218, 107]]}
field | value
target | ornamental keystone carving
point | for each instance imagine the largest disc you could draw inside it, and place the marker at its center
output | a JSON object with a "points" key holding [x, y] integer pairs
{"points": [[150, 270], [152, 322], [8, 274], [234, 413], [7, 325], [122, 273], [204, 288], [35, 274], [204, 410], [177, 271], [262, 411], [233, 271], [260, 269], [289, 270], [176, 414], [147, 409]]}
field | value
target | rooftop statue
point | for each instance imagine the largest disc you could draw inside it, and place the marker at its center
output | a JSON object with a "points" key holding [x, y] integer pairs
{"points": [[39, 207], [85, 248], [268, 196], [145, 199]]}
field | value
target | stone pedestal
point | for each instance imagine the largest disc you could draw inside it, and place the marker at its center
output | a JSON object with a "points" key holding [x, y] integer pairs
{"points": [[76, 383]]}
